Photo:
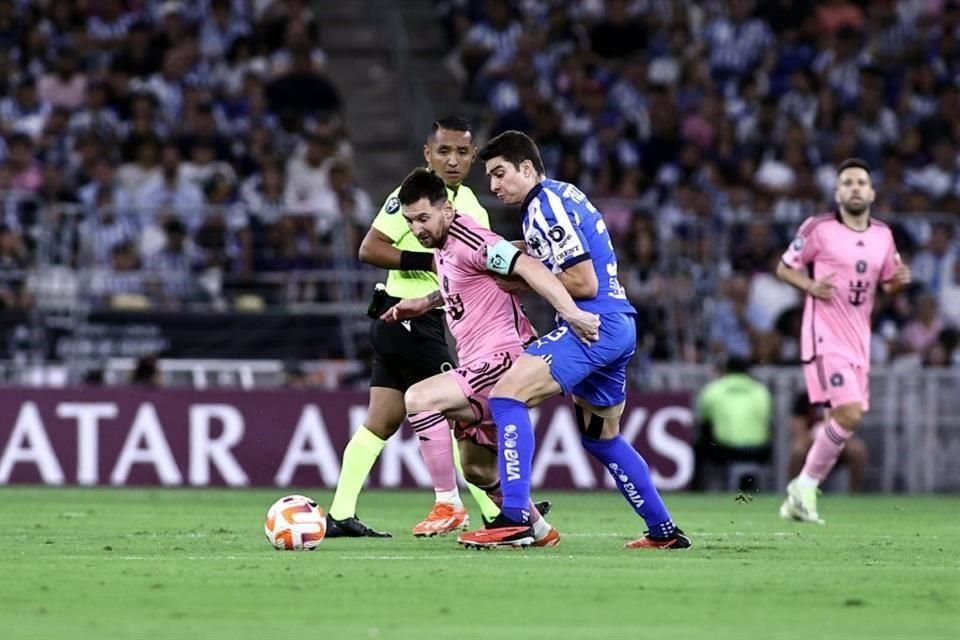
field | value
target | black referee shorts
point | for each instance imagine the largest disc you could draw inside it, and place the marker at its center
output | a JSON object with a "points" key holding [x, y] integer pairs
{"points": [[404, 353]]}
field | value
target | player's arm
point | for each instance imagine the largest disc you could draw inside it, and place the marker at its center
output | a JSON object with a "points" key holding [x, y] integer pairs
{"points": [[902, 276], [505, 259], [412, 307], [580, 279], [822, 289], [377, 249]]}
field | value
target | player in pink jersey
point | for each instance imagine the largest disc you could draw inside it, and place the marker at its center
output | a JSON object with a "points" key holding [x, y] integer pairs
{"points": [[488, 324], [838, 259]]}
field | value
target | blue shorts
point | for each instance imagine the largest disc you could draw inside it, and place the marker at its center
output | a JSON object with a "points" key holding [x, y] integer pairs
{"points": [[597, 373]]}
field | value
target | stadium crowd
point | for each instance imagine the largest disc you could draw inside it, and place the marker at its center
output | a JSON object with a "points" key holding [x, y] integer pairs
{"points": [[198, 138], [710, 130], [153, 141]]}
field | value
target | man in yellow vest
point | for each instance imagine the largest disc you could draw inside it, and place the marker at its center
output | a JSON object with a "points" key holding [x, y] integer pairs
{"points": [[733, 413], [407, 352]]}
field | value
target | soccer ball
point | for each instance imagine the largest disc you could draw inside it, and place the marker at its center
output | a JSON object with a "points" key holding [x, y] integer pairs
{"points": [[295, 523]]}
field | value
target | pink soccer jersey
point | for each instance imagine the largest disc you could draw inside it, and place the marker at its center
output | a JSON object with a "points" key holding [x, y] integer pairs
{"points": [[860, 261], [483, 318]]}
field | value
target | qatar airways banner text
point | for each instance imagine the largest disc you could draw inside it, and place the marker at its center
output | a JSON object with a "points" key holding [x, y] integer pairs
{"points": [[281, 438]]}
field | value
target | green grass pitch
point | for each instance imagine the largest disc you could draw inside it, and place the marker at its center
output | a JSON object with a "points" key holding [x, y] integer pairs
{"points": [[103, 563]]}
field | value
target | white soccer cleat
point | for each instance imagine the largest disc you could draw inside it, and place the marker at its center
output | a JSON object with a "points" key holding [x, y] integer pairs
{"points": [[801, 503]]}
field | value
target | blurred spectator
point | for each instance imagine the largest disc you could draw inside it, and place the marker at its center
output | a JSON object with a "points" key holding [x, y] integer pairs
{"points": [[922, 332], [730, 332], [805, 420], [146, 372], [14, 260], [934, 266], [121, 284], [733, 419], [174, 265], [66, 86], [108, 226]]}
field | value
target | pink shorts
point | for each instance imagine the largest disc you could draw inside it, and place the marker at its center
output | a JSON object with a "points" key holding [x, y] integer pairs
{"points": [[476, 380], [838, 381]]}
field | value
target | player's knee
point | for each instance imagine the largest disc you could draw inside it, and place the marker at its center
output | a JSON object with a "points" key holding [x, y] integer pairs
{"points": [[511, 385], [418, 398], [847, 416], [480, 475]]}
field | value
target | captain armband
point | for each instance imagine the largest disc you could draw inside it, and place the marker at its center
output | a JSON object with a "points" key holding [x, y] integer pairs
{"points": [[502, 257]]}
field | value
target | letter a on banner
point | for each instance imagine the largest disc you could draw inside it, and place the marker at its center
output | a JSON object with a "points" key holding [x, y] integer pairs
{"points": [[29, 444], [309, 445]]}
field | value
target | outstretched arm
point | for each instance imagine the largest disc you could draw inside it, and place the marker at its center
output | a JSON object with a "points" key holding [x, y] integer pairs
{"points": [[586, 325], [412, 307], [377, 249]]}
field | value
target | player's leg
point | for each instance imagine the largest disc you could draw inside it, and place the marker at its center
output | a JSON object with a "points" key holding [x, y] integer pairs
{"points": [[477, 446], [854, 455], [385, 414], [598, 402], [430, 404], [845, 389]]}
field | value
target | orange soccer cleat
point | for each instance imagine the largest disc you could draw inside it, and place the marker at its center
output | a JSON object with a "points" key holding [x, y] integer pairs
{"points": [[678, 540], [442, 519], [499, 532], [552, 539]]}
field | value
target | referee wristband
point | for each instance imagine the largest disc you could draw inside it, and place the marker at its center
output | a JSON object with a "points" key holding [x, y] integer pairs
{"points": [[416, 261]]}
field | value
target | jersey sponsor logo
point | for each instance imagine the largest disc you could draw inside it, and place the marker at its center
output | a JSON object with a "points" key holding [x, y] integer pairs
{"points": [[858, 292], [406, 325], [861, 266], [629, 489], [510, 453], [393, 205], [569, 253], [557, 234]]}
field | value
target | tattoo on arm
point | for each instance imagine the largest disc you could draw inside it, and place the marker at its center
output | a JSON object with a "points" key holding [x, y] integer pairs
{"points": [[435, 299]]}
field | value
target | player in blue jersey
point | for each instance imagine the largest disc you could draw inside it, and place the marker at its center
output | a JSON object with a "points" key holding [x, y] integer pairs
{"points": [[567, 233]]}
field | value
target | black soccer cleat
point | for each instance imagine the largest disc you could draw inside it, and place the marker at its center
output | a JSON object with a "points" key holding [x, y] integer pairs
{"points": [[544, 507], [352, 528], [678, 540]]}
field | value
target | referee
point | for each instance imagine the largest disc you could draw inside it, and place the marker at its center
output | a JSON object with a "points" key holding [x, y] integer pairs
{"points": [[408, 352]]}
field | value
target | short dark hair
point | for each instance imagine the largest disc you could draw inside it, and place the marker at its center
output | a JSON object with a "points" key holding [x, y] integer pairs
{"points": [[422, 183], [736, 364], [452, 123], [853, 163], [514, 147]]}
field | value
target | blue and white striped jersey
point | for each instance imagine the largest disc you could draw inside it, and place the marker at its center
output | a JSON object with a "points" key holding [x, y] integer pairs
{"points": [[562, 228]]}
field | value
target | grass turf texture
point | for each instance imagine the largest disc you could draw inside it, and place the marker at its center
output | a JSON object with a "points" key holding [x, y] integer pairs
{"points": [[98, 563]]}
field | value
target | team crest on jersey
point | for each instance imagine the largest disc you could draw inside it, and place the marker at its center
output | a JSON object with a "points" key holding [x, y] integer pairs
{"points": [[798, 244], [861, 266], [393, 205], [537, 244]]}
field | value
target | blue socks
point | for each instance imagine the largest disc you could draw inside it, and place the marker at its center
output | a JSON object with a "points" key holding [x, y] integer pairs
{"points": [[515, 442], [632, 477]]}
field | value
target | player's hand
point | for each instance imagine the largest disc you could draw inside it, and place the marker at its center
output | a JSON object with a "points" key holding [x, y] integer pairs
{"points": [[406, 309], [902, 275], [823, 288], [585, 324]]}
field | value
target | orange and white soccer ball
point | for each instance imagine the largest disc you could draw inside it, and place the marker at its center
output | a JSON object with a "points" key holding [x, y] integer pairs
{"points": [[295, 523]]}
